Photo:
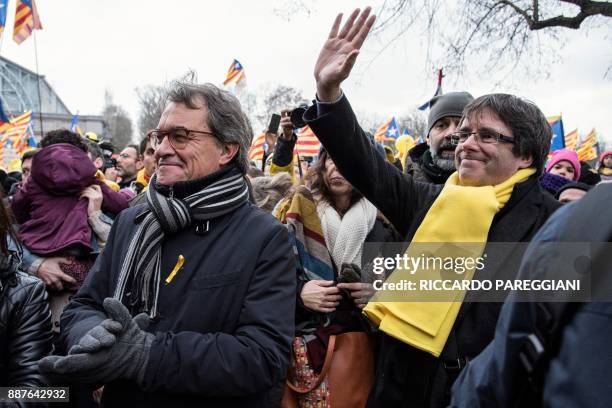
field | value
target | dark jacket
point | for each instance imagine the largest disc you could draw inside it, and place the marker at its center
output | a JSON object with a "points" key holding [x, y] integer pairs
{"points": [[225, 322], [407, 376], [25, 326], [51, 214], [581, 364], [419, 164]]}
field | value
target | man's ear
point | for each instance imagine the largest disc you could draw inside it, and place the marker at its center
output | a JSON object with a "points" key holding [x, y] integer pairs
{"points": [[526, 162], [228, 152], [98, 163], [139, 163]]}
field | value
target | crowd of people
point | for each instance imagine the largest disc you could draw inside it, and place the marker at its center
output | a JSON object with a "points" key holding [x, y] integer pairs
{"points": [[178, 272]]}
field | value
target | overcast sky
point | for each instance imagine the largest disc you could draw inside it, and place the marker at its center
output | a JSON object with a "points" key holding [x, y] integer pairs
{"points": [[88, 46]]}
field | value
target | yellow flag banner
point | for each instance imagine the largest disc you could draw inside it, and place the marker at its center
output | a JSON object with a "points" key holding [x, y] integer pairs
{"points": [[571, 140], [587, 150]]}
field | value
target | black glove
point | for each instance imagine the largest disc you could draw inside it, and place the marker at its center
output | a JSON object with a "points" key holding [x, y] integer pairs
{"points": [[118, 348]]}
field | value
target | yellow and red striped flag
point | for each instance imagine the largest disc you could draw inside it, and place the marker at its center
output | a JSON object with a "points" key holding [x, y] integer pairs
{"points": [[590, 139], [235, 74], [18, 129], [587, 151], [571, 140], [2, 147], [26, 20], [307, 143], [256, 151]]}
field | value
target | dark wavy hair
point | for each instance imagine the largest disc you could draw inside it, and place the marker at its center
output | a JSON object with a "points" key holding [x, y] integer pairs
{"points": [[6, 226], [316, 180], [530, 129], [64, 136]]}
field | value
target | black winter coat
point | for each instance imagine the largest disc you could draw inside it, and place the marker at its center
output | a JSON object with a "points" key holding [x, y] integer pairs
{"points": [[226, 320], [405, 375], [25, 326], [421, 167]]}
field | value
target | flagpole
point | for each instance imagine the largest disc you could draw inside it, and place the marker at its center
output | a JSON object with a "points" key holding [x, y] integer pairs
{"points": [[42, 131], [299, 165]]}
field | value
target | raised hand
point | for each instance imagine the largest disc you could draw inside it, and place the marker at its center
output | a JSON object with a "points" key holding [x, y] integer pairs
{"points": [[339, 53], [94, 196]]}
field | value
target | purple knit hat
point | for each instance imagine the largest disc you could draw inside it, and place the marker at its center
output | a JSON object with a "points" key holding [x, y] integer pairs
{"points": [[568, 155]]}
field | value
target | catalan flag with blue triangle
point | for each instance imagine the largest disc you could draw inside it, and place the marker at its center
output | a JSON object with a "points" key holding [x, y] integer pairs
{"points": [[18, 130], [558, 138], [235, 74], [4, 120], [3, 12], [32, 142], [74, 125], [437, 93], [387, 131]]}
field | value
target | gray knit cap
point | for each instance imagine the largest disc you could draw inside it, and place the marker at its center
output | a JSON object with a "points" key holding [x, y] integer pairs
{"points": [[450, 104]]}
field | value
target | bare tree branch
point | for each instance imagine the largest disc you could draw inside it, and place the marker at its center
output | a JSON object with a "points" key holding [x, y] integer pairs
{"points": [[587, 9], [500, 34]]}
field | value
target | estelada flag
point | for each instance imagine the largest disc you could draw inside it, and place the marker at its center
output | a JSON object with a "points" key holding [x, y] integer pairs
{"points": [[387, 131], [18, 130], [235, 73], [3, 12], [558, 137]]}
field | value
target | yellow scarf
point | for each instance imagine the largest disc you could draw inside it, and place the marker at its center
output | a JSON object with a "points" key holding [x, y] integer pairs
{"points": [[605, 171], [112, 185], [143, 179], [459, 215]]}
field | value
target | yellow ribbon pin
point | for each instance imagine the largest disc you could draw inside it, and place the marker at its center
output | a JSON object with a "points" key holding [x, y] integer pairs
{"points": [[179, 265]]}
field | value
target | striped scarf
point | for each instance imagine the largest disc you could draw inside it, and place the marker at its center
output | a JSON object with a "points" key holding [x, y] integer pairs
{"points": [[165, 216], [299, 214]]}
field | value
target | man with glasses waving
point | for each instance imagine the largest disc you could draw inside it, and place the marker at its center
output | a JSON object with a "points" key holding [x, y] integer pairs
{"points": [[494, 196], [192, 301]]}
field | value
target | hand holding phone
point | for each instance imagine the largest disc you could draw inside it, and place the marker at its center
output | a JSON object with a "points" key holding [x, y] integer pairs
{"points": [[274, 122], [286, 125]]}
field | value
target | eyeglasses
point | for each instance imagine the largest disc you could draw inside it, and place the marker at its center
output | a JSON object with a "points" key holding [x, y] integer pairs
{"points": [[482, 136], [178, 137]]}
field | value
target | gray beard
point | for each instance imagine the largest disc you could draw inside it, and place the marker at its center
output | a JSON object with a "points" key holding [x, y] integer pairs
{"points": [[444, 164]]}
